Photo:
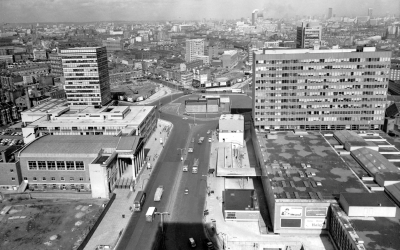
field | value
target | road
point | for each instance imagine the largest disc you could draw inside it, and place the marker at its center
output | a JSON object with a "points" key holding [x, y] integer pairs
{"points": [[186, 210]]}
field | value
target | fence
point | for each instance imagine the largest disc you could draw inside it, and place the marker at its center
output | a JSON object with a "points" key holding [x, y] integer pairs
{"points": [[97, 223]]}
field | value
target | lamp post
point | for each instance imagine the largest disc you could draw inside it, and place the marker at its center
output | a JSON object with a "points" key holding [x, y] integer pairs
{"points": [[162, 219]]}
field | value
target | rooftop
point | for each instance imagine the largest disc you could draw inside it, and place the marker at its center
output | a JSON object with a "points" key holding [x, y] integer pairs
{"points": [[306, 167], [240, 199], [231, 117], [311, 51], [51, 145], [367, 199]]}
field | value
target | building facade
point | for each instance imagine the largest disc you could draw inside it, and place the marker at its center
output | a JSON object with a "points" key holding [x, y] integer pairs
{"points": [[394, 73], [229, 59], [56, 67], [320, 89], [86, 76], [194, 47], [308, 35]]}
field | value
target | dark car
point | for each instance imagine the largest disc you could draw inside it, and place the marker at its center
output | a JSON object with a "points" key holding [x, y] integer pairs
{"points": [[207, 243]]}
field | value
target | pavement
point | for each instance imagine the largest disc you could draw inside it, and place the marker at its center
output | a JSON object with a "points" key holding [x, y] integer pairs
{"points": [[116, 219], [246, 235]]}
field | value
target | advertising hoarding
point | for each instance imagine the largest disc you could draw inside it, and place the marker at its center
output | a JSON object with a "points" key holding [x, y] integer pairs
{"points": [[315, 223], [316, 211], [289, 211]]}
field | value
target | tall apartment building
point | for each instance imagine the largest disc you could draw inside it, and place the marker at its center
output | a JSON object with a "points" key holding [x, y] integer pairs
{"points": [[86, 76], [370, 12], [194, 47], [308, 35], [320, 89]]}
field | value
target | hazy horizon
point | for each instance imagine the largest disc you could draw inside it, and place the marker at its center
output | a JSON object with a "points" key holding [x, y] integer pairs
{"points": [[28, 11]]}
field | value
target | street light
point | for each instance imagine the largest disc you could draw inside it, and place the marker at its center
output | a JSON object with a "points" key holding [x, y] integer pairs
{"points": [[162, 219]]}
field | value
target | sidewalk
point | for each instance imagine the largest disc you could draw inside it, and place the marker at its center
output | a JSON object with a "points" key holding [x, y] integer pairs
{"points": [[244, 235], [113, 223]]}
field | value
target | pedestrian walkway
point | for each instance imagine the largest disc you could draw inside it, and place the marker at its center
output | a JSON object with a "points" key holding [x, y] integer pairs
{"points": [[117, 217], [246, 235]]}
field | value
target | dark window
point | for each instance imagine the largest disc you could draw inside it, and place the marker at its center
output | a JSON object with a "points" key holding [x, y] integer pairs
{"points": [[70, 165], [42, 165], [60, 165], [32, 165], [51, 165], [80, 165]]}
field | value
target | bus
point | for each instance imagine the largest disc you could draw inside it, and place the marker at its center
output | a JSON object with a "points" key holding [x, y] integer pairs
{"points": [[139, 201]]}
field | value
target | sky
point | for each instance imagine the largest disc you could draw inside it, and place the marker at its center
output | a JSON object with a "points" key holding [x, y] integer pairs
{"points": [[25, 11]]}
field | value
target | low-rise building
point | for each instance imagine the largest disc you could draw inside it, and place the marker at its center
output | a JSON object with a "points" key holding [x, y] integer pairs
{"points": [[55, 117], [92, 163]]}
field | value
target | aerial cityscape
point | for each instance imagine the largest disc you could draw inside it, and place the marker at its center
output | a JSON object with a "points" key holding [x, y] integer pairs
{"points": [[199, 124]]}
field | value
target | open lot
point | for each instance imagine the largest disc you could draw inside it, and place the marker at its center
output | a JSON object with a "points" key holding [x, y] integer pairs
{"points": [[143, 88], [47, 224]]}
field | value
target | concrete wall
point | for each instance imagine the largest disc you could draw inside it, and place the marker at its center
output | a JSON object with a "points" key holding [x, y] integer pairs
{"points": [[371, 211], [8, 171], [99, 181]]}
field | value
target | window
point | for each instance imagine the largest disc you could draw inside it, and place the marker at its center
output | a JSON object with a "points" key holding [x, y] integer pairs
{"points": [[62, 178], [34, 178], [25, 178], [51, 165], [44, 178], [70, 165], [11, 170], [32, 165], [81, 178], [60, 165], [13, 178], [80, 165], [53, 178], [71, 178], [42, 165]]}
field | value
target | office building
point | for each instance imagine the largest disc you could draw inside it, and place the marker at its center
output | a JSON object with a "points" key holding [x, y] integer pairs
{"points": [[86, 76], [194, 47], [55, 117], [56, 68], [320, 89], [370, 12], [308, 35], [394, 73], [329, 13], [229, 59]]}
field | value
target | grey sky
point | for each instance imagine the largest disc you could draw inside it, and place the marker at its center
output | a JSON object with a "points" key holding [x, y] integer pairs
{"points": [[132, 10]]}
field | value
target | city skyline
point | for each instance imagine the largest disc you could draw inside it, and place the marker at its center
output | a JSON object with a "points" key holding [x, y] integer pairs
{"points": [[144, 10]]}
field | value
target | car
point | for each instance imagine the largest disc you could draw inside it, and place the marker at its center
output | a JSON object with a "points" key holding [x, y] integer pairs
{"points": [[185, 118], [186, 191], [208, 132], [209, 139], [192, 242], [207, 243]]}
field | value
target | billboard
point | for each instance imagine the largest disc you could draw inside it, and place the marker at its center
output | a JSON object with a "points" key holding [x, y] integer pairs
{"points": [[316, 211], [289, 211], [290, 223], [315, 223]]}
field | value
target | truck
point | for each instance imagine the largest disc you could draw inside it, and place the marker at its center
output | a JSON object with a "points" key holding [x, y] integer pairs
{"points": [[201, 139], [195, 166], [150, 214], [158, 194]]}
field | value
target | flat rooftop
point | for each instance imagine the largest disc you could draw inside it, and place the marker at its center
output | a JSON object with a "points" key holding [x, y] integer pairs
{"points": [[132, 116], [231, 117], [239, 199], [368, 200], [51, 106], [286, 159]]}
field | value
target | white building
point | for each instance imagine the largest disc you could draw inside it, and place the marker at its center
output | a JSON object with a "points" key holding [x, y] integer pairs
{"points": [[57, 118], [231, 129], [194, 47]]}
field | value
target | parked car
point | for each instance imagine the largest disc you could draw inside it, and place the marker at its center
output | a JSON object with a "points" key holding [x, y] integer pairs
{"points": [[186, 191]]}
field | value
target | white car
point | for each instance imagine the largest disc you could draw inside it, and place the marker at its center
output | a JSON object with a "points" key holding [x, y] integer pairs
{"points": [[209, 139], [184, 118]]}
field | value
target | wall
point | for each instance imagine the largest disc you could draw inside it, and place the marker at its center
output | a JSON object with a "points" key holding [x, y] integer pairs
{"points": [[371, 211], [99, 181], [7, 172]]}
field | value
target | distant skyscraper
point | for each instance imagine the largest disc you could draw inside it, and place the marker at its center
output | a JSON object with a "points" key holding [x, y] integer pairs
{"points": [[308, 35], [86, 76], [254, 17], [329, 13], [370, 12], [194, 47]]}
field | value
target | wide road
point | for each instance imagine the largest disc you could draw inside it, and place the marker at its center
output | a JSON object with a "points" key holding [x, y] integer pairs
{"points": [[185, 210]]}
